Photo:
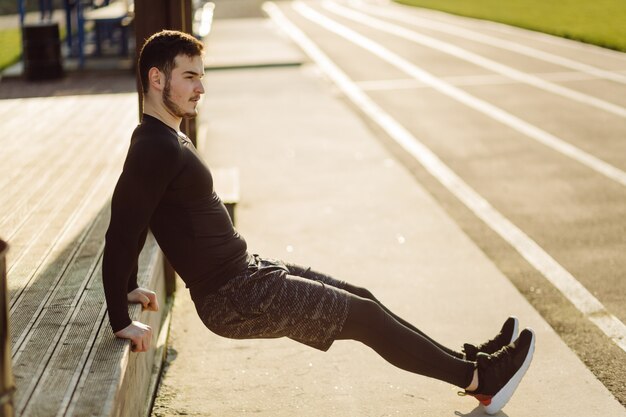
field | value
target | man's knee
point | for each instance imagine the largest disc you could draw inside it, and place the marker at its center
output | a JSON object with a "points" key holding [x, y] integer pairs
{"points": [[365, 308], [360, 292], [365, 319], [363, 312]]}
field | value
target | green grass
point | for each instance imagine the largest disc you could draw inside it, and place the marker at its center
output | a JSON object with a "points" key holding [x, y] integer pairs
{"points": [[599, 22], [10, 47]]}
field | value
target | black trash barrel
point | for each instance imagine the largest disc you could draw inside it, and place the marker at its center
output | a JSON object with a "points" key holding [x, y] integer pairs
{"points": [[41, 46], [7, 385]]}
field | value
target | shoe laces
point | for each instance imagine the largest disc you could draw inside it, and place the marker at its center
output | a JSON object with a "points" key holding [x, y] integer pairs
{"points": [[492, 345], [496, 367], [504, 352]]}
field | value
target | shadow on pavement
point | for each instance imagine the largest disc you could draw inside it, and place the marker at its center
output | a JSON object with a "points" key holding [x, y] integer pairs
{"points": [[478, 412], [74, 83]]}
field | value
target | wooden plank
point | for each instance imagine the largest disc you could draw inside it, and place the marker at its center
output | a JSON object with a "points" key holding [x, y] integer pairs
{"points": [[32, 310], [24, 163], [62, 373], [58, 373], [30, 192], [33, 161], [43, 231], [7, 111], [40, 137], [114, 381], [27, 174], [89, 117], [70, 337], [66, 300], [62, 206], [65, 350], [63, 286], [27, 107], [33, 229]]}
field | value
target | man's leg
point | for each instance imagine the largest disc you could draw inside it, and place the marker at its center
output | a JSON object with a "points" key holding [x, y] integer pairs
{"points": [[372, 325], [308, 273], [268, 302]]}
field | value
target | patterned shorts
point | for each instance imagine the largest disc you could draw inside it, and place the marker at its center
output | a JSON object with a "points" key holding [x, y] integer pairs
{"points": [[272, 299]]}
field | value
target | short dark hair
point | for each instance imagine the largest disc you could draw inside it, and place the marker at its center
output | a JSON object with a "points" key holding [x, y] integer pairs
{"points": [[161, 49]]}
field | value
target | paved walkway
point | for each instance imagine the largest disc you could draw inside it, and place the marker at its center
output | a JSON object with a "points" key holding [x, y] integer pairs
{"points": [[318, 188]]}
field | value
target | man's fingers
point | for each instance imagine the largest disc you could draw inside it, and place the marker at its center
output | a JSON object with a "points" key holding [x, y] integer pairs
{"points": [[139, 334], [139, 348], [148, 299], [136, 344], [154, 302], [141, 344], [145, 301]]}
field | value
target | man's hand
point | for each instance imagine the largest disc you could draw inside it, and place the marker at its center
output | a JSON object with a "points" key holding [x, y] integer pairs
{"points": [[145, 297], [140, 336]]}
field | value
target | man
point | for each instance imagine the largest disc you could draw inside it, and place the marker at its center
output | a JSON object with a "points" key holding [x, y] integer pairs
{"points": [[166, 186]]}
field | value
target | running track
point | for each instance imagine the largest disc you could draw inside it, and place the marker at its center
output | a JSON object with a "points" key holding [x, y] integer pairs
{"points": [[519, 135]]}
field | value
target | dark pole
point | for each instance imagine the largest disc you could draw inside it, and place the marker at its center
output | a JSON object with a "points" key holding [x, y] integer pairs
{"points": [[7, 386], [152, 16]]}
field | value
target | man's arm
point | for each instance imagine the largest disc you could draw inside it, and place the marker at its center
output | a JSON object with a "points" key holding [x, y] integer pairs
{"points": [[132, 280], [147, 172]]}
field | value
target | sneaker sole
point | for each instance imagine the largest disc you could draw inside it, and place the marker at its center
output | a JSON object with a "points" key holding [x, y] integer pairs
{"points": [[503, 396]]}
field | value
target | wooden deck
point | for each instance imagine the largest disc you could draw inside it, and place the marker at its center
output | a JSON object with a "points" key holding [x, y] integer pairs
{"points": [[60, 159]]}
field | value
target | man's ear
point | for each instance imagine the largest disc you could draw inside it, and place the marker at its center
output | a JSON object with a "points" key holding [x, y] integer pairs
{"points": [[156, 79]]}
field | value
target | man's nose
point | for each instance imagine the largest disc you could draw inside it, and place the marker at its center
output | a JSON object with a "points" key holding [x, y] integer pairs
{"points": [[200, 88]]}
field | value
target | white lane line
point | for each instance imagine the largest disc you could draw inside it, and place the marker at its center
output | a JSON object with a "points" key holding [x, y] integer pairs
{"points": [[465, 80], [565, 76], [439, 26], [386, 85], [531, 251], [459, 95], [473, 58]]}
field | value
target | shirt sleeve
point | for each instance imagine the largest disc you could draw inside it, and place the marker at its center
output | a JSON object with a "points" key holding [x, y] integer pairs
{"points": [[150, 166], [132, 280]]}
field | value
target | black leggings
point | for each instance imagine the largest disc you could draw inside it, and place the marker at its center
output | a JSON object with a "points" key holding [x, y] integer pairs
{"points": [[400, 343], [397, 341]]}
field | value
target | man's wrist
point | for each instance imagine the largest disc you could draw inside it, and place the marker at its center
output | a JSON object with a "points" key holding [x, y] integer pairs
{"points": [[132, 285], [121, 325]]}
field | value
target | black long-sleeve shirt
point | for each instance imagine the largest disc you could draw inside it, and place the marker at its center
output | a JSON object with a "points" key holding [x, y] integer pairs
{"points": [[166, 186]]}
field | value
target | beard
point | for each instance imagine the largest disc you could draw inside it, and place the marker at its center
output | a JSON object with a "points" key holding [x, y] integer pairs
{"points": [[174, 108]]}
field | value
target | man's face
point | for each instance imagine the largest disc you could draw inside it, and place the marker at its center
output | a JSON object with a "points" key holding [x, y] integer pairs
{"points": [[183, 88]]}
